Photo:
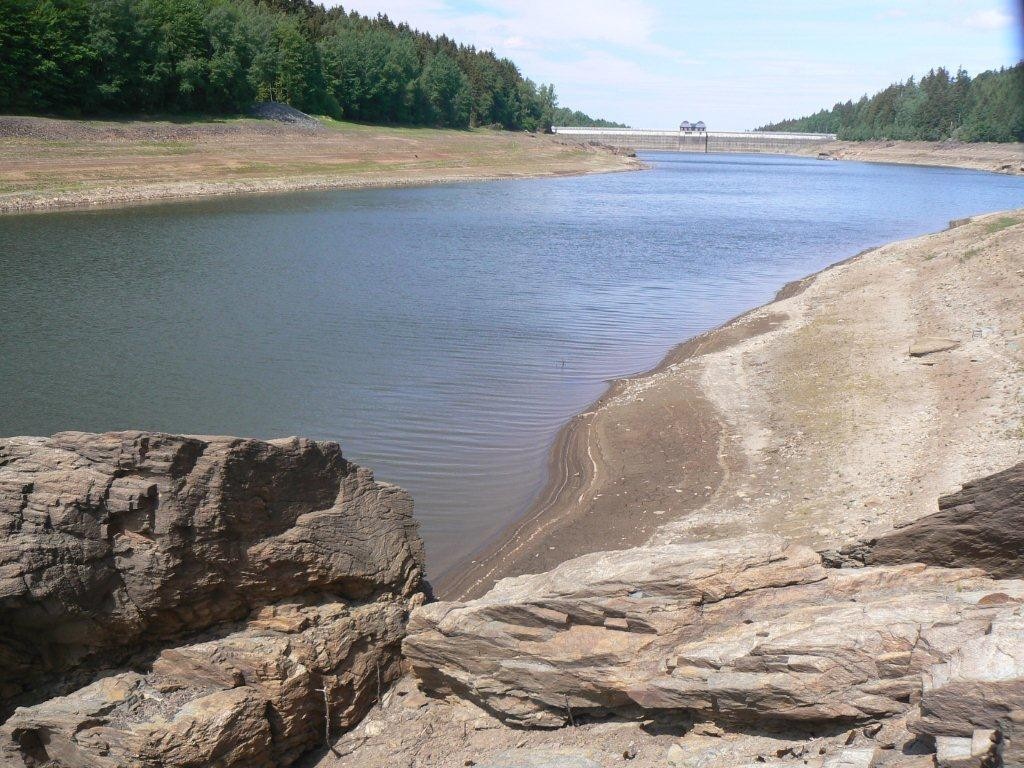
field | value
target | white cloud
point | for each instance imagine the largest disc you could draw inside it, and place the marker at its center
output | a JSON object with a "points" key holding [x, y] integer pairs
{"points": [[732, 63], [497, 21], [990, 19]]}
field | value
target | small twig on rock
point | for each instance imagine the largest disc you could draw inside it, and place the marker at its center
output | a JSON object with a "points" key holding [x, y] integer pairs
{"points": [[568, 709], [379, 697], [327, 714]]}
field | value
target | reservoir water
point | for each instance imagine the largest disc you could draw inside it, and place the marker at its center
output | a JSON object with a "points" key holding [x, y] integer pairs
{"points": [[442, 335]]}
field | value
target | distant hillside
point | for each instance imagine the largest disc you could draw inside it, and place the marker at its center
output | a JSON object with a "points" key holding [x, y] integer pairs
{"points": [[988, 107], [131, 57]]}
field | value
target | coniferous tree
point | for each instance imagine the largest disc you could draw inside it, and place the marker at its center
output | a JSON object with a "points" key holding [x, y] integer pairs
{"points": [[989, 107]]}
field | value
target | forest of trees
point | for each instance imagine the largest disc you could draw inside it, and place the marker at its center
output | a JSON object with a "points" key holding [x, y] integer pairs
{"points": [[135, 57], [568, 117], [940, 106]]}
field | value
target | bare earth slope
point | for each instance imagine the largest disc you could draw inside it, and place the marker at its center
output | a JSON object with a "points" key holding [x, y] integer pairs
{"points": [[47, 164]]}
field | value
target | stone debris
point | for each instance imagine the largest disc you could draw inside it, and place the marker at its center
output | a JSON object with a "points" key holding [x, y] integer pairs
{"points": [[283, 113]]}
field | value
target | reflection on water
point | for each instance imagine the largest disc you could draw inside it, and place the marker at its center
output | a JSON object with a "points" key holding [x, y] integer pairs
{"points": [[441, 334]]}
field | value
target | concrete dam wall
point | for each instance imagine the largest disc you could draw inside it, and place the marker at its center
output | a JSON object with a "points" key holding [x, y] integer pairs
{"points": [[705, 141]]}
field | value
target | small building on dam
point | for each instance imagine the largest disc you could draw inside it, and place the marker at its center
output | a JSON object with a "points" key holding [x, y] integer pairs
{"points": [[695, 137]]}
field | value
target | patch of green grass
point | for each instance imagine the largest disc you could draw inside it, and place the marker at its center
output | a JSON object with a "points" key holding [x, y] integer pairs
{"points": [[998, 225], [969, 254]]}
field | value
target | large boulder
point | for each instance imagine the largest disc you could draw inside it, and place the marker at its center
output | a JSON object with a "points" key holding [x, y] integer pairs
{"points": [[739, 632], [122, 545], [981, 526]]}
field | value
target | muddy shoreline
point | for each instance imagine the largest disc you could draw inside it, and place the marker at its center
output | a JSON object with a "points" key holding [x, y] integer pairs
{"points": [[550, 522], [192, 192], [804, 417], [571, 459]]}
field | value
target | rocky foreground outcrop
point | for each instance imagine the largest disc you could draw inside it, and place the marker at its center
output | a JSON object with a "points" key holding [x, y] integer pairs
{"points": [[980, 526], [251, 597], [736, 631], [744, 633]]}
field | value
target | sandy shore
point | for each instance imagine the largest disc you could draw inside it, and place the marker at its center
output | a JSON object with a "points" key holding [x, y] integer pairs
{"points": [[997, 158], [806, 417], [54, 164]]}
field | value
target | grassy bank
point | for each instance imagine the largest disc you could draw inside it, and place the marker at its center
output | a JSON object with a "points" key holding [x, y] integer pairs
{"points": [[49, 164]]}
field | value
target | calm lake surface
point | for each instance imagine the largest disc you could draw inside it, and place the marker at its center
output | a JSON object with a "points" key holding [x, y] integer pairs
{"points": [[442, 335]]}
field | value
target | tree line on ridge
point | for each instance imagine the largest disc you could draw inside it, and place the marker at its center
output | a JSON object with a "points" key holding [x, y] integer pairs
{"points": [[938, 107], [133, 57]]}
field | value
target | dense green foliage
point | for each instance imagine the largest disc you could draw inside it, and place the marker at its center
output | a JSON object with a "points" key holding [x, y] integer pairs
{"points": [[988, 107], [575, 118], [95, 57]]}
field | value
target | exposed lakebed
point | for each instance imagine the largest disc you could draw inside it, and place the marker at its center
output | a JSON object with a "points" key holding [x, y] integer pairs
{"points": [[442, 334]]}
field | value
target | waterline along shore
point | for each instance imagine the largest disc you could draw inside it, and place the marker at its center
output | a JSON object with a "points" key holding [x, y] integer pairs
{"points": [[811, 405], [48, 164], [1005, 158]]}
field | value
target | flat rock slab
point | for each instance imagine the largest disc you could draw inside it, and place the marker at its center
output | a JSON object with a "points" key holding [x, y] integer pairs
{"points": [[537, 759], [931, 344], [852, 758]]}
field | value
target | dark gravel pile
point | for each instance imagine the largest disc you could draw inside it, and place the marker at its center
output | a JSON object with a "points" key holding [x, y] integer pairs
{"points": [[282, 113]]}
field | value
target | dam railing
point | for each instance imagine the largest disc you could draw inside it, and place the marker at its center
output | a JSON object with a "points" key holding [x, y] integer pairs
{"points": [[696, 141]]}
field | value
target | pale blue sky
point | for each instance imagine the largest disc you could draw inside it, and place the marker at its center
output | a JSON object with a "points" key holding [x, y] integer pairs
{"points": [[733, 64]]}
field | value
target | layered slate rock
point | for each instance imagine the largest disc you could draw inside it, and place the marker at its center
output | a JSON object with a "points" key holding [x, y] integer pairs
{"points": [[739, 632], [289, 565], [256, 698], [979, 686], [981, 526]]}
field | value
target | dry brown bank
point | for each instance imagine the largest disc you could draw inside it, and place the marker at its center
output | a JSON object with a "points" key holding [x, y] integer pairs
{"points": [[47, 164]]}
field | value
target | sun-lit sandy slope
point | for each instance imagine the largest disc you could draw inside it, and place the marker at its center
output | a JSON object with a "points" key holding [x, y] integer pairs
{"points": [[48, 164]]}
